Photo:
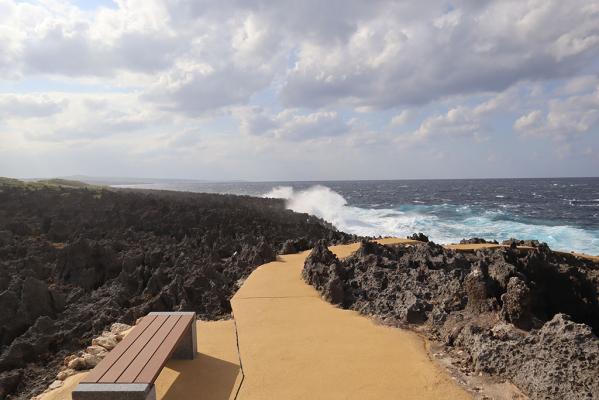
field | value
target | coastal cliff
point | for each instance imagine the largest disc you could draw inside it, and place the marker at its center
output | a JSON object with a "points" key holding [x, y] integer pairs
{"points": [[75, 260]]}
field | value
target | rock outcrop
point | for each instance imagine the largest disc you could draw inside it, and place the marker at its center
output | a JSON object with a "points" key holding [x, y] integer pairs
{"points": [[476, 240], [518, 242], [421, 237], [295, 245], [529, 316]]}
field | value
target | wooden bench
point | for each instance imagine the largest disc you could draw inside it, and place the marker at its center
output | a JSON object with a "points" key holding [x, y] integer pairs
{"points": [[130, 369]]}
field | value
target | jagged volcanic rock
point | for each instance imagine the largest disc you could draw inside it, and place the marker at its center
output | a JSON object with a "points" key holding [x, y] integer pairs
{"points": [[295, 245], [476, 240], [518, 242], [531, 316], [421, 237], [73, 261]]}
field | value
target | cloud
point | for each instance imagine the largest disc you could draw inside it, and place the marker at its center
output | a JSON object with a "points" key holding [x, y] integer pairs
{"points": [[29, 106], [199, 56], [224, 66], [184, 64], [563, 119], [9, 35], [195, 89], [389, 62], [58, 38], [528, 121], [403, 117], [292, 125], [458, 121], [195, 82], [578, 84], [64, 118], [62, 53]]}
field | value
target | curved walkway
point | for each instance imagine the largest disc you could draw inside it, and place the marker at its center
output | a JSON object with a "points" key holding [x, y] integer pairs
{"points": [[291, 344], [294, 345]]}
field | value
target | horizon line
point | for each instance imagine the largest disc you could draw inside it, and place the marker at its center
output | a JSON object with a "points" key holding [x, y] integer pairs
{"points": [[204, 180]]}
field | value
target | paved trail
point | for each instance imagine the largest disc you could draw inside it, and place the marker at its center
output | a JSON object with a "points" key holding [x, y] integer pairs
{"points": [[294, 345]]}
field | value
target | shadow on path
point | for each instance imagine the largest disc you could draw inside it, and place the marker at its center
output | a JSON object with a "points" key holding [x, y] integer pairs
{"points": [[205, 378]]}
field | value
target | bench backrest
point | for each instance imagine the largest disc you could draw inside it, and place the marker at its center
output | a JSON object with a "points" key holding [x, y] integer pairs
{"points": [[142, 354]]}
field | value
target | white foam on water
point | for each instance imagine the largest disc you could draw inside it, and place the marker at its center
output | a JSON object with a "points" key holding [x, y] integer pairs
{"points": [[329, 205], [280, 192]]}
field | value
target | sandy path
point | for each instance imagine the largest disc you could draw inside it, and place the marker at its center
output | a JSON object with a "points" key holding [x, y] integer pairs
{"points": [[294, 345]]}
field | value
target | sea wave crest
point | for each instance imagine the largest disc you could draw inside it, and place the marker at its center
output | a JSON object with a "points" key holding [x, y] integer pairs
{"points": [[443, 223]]}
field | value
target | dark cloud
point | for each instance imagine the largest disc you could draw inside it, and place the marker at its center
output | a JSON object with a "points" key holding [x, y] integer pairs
{"points": [[470, 49], [377, 54]]}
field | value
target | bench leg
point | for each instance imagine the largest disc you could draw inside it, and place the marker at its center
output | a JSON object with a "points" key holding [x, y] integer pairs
{"points": [[188, 346], [114, 391]]}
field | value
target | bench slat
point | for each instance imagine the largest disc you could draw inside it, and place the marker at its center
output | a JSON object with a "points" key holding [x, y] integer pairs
{"points": [[151, 370], [143, 357], [115, 371], [94, 375]]}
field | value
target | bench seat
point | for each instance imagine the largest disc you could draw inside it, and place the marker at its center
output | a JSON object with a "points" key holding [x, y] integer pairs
{"points": [[131, 368]]}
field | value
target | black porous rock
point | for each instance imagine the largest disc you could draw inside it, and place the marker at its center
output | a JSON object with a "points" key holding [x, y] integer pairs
{"points": [[518, 242], [292, 246], [476, 240], [74, 261], [517, 304], [9, 381], [421, 237], [324, 273]]}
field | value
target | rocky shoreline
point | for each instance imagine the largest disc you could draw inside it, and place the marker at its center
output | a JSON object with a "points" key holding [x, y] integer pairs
{"points": [[530, 316], [75, 260]]}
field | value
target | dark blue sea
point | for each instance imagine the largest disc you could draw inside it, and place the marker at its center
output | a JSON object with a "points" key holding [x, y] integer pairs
{"points": [[563, 212]]}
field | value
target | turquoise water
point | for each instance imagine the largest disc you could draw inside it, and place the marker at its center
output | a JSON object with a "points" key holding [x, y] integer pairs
{"points": [[562, 212]]}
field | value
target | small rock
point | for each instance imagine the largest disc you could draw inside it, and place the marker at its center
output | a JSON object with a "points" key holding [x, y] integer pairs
{"points": [[55, 385], [108, 342], [64, 374], [68, 359], [95, 350], [91, 360], [118, 327], [77, 363], [116, 336]]}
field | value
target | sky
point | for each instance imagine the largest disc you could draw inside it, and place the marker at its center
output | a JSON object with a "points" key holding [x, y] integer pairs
{"points": [[299, 90]]}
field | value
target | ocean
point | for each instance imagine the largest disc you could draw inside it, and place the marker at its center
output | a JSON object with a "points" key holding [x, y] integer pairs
{"points": [[563, 212]]}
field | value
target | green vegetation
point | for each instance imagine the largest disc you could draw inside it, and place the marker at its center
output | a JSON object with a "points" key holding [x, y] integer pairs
{"points": [[46, 183], [10, 182], [63, 182]]}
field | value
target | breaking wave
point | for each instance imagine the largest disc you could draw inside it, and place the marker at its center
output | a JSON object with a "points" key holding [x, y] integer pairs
{"points": [[443, 223]]}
